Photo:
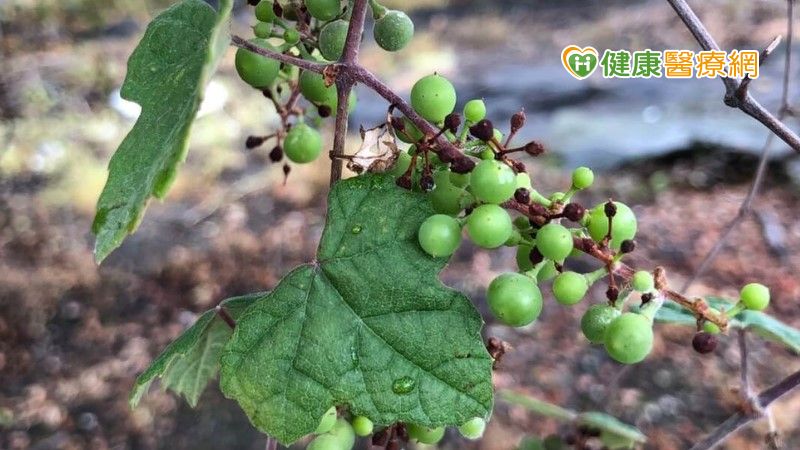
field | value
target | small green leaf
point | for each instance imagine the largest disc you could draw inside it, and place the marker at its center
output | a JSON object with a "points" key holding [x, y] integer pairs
{"points": [[611, 425], [758, 322], [167, 75], [191, 360], [540, 407], [763, 325], [368, 325]]}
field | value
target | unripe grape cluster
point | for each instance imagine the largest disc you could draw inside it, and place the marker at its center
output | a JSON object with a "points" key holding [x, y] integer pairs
{"points": [[314, 30], [476, 188], [340, 433], [490, 199]]}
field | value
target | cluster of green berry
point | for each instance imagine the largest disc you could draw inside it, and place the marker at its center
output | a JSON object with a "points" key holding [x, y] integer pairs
{"points": [[475, 199], [314, 30], [337, 433]]}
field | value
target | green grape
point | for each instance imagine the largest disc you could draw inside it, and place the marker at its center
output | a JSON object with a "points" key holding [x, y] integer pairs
{"points": [[333, 102], [323, 10], [254, 69], [439, 235], [393, 31], [262, 30], [514, 239], [302, 144], [327, 422], [410, 133], [570, 287], [459, 179], [446, 198], [344, 433], [623, 224], [401, 165], [523, 257], [642, 281], [711, 328], [514, 299], [547, 272], [493, 181], [475, 110], [582, 178], [424, 434], [754, 296], [595, 321], [554, 241], [362, 426], [473, 429], [264, 11], [433, 97], [332, 38], [489, 226], [523, 180], [487, 154], [498, 135], [291, 36], [629, 338], [325, 442], [312, 86]]}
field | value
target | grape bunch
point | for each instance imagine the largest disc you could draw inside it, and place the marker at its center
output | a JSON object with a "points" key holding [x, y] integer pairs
{"points": [[339, 433], [314, 30], [479, 191]]}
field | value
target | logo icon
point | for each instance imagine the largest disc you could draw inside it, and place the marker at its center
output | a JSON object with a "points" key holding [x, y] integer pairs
{"points": [[579, 62]]}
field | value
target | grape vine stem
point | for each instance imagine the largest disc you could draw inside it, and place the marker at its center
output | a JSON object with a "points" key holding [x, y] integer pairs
{"points": [[742, 418], [734, 96]]}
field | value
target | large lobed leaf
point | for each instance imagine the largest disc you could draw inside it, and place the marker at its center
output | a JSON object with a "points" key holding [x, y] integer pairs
{"points": [[758, 322], [192, 360], [367, 325], [167, 74]]}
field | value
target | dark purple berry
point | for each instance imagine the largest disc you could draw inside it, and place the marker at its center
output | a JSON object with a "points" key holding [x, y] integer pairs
{"points": [[462, 165], [704, 342], [533, 148], [324, 111], [253, 141], [627, 246], [276, 154], [517, 121], [522, 195], [452, 121], [574, 212], [483, 130], [610, 209], [426, 182]]}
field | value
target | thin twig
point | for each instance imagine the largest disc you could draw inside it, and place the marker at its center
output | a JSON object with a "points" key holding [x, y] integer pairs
{"points": [[746, 207], [239, 42], [272, 443], [744, 368], [746, 103], [741, 419], [344, 84]]}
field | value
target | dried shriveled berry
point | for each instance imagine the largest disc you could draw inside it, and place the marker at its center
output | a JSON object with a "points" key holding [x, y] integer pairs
{"points": [[704, 342]]}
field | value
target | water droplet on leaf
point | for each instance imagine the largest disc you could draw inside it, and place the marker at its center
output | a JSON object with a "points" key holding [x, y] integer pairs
{"points": [[403, 385]]}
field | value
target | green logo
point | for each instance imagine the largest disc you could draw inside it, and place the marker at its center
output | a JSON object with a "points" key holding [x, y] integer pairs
{"points": [[579, 62]]}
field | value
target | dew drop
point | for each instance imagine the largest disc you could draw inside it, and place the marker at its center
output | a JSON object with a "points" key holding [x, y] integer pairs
{"points": [[356, 229], [403, 385]]}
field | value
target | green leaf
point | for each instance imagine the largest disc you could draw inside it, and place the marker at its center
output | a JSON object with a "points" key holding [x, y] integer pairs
{"points": [[758, 322], [609, 425], [540, 407], [367, 325], [190, 361], [167, 75]]}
